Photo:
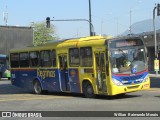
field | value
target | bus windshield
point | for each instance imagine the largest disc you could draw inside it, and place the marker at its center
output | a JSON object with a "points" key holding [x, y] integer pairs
{"points": [[128, 57]]}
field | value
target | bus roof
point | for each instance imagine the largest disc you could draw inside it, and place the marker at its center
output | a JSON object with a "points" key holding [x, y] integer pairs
{"points": [[125, 37], [74, 42], [84, 41]]}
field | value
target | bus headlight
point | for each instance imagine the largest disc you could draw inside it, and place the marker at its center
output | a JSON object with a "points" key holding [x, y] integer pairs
{"points": [[116, 82], [145, 79]]}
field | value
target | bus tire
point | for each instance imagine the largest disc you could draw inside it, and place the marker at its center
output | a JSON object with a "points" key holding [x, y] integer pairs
{"points": [[88, 90], [37, 87]]}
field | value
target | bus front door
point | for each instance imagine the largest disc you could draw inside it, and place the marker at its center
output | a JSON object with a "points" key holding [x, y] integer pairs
{"points": [[101, 72], [63, 71]]}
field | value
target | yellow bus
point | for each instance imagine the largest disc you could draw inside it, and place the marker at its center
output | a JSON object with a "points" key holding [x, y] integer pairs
{"points": [[90, 65]]}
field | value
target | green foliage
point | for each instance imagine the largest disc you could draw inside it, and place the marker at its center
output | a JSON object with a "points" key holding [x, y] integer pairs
{"points": [[42, 34]]}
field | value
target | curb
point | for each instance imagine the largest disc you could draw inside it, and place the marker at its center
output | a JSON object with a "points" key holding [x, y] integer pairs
{"points": [[154, 75]]}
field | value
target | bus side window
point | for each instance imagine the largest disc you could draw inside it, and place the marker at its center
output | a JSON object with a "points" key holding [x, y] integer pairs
{"points": [[46, 58], [86, 57], [54, 58], [74, 57], [24, 59], [14, 58], [34, 59]]}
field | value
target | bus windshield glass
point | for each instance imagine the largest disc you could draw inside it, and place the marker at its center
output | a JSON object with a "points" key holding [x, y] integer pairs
{"points": [[127, 57]]}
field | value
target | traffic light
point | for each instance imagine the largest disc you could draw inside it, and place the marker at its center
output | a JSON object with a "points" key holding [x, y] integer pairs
{"points": [[158, 9], [48, 22]]}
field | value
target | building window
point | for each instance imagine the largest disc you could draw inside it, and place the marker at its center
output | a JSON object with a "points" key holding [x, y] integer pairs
{"points": [[14, 58], [74, 57], [46, 58], [86, 57], [34, 59], [24, 60]]}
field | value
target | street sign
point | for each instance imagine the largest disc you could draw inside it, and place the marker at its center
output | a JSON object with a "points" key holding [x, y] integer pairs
{"points": [[156, 65]]}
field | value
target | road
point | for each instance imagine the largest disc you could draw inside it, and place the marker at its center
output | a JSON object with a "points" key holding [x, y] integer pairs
{"points": [[17, 99]]}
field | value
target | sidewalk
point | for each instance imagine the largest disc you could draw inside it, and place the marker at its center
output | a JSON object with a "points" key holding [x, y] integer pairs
{"points": [[154, 75]]}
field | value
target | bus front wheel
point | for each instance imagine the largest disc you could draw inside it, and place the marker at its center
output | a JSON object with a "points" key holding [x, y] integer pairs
{"points": [[88, 90], [37, 87]]}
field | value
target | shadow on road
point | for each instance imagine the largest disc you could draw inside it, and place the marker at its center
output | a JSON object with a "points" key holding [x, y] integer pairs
{"points": [[157, 96], [10, 89], [116, 97], [7, 88], [100, 97]]}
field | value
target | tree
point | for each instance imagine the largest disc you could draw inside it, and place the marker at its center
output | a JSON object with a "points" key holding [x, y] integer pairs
{"points": [[42, 34]]}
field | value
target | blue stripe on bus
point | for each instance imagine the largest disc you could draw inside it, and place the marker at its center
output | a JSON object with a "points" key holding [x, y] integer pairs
{"points": [[130, 79]]}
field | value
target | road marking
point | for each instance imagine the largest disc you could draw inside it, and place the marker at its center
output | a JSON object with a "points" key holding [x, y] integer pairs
{"points": [[30, 97]]}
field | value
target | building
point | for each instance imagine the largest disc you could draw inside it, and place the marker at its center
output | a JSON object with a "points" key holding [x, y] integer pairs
{"points": [[15, 37], [149, 41]]}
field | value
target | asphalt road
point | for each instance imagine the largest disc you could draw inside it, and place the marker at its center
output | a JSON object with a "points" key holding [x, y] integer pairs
{"points": [[155, 82], [17, 99]]}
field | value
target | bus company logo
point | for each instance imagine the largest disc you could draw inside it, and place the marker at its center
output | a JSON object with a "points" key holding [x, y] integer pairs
{"points": [[134, 70], [73, 73], [46, 74], [6, 114]]}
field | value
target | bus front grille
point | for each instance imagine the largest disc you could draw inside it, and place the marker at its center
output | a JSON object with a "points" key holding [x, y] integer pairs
{"points": [[133, 87]]}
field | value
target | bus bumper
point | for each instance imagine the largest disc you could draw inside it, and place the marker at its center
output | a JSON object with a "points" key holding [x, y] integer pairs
{"points": [[115, 90]]}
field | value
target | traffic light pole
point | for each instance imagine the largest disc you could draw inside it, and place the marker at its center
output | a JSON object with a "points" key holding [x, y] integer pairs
{"points": [[92, 33]]}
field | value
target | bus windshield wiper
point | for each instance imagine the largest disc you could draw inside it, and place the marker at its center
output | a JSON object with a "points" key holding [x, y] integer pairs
{"points": [[123, 53]]}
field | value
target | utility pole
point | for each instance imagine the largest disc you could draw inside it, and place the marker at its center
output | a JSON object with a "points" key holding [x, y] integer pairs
{"points": [[5, 16], [130, 28], [90, 19], [156, 62]]}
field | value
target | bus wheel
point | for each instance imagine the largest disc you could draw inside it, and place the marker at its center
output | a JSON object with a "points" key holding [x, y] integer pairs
{"points": [[88, 90], [37, 87]]}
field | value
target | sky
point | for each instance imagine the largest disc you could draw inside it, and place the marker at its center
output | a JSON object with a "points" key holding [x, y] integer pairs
{"points": [[109, 17]]}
